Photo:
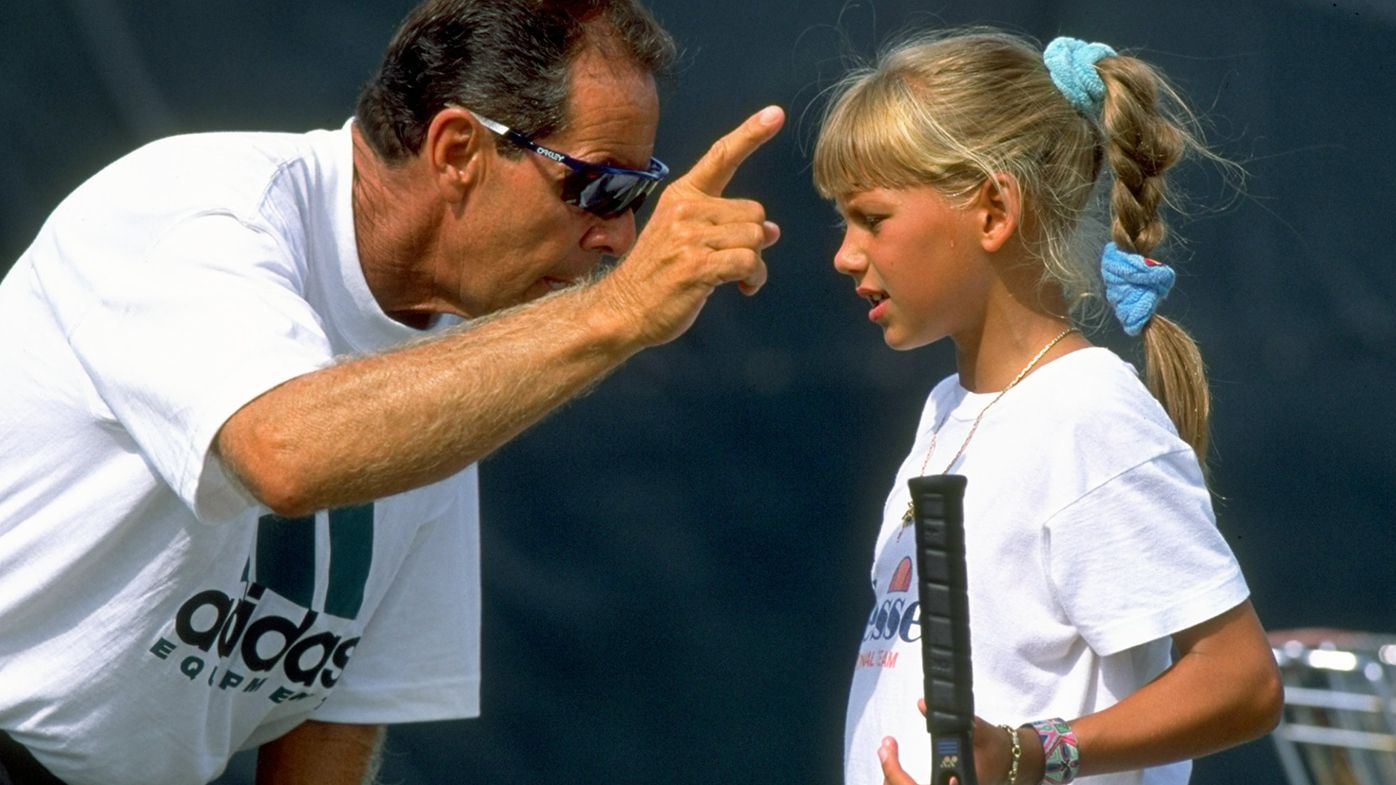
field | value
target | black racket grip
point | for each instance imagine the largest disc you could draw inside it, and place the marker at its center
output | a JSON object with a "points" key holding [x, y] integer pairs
{"points": [[938, 511]]}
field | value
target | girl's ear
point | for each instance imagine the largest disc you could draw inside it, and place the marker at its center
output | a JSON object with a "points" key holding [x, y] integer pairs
{"points": [[996, 209]]}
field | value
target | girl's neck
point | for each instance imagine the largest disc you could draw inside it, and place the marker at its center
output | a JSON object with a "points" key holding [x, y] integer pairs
{"points": [[1021, 314], [992, 357]]}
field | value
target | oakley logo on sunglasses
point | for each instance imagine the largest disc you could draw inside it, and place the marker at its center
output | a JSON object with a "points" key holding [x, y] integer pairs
{"points": [[604, 191]]}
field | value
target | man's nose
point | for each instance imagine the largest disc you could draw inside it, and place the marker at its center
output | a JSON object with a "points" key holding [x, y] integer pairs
{"points": [[611, 236]]}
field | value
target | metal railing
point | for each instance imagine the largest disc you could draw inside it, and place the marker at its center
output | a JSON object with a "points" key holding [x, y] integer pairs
{"points": [[1339, 725]]}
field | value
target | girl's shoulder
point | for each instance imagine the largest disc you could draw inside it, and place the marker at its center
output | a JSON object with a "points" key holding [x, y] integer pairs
{"points": [[1094, 400], [1092, 385], [1092, 377], [1087, 403]]}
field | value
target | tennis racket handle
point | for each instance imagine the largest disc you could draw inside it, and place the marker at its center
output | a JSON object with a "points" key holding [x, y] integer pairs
{"points": [[937, 503]]}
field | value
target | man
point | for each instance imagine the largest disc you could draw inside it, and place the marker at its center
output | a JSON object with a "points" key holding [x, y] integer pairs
{"points": [[248, 377]]}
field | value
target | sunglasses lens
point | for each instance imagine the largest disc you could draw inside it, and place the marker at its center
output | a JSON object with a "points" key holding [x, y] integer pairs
{"points": [[606, 195]]}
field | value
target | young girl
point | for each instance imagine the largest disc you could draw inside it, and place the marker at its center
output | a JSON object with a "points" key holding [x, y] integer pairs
{"points": [[964, 167]]}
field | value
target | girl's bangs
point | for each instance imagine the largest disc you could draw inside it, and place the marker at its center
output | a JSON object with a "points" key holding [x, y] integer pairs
{"points": [[865, 142]]}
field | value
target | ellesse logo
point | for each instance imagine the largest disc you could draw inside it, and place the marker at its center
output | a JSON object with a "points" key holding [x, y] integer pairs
{"points": [[227, 635], [895, 617], [901, 577]]}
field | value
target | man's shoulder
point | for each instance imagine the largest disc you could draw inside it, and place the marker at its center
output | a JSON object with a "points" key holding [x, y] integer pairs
{"points": [[273, 146], [229, 170], [260, 179], [226, 165]]}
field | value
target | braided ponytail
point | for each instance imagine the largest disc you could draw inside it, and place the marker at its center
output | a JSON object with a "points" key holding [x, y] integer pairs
{"points": [[1142, 142]]}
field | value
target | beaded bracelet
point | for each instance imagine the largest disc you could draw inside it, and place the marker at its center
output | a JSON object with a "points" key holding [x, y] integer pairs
{"points": [[1016, 750], [1060, 752]]}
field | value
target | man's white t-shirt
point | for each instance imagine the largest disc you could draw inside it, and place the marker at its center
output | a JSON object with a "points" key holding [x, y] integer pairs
{"points": [[154, 619], [1090, 540]]}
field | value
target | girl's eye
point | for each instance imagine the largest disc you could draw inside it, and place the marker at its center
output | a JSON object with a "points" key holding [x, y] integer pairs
{"points": [[866, 221]]}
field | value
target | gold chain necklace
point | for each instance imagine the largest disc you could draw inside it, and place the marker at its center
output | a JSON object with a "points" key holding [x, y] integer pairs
{"points": [[907, 516]]}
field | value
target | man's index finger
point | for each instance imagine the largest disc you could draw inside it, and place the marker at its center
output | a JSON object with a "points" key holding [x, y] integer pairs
{"points": [[714, 170]]}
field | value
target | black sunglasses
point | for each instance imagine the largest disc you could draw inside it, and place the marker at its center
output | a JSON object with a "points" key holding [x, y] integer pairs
{"points": [[604, 191]]}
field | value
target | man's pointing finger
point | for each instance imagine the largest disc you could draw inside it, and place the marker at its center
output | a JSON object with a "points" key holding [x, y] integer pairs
{"points": [[714, 170]]}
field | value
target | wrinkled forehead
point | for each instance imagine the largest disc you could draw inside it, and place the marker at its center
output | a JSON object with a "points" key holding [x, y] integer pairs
{"points": [[612, 112]]}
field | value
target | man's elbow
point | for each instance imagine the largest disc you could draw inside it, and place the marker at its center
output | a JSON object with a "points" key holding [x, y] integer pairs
{"points": [[267, 465], [279, 493]]}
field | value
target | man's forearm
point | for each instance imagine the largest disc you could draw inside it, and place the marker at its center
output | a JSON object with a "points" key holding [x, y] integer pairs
{"points": [[378, 425]]}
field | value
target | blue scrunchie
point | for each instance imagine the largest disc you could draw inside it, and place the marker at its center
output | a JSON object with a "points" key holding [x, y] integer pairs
{"points": [[1071, 62], [1134, 286]]}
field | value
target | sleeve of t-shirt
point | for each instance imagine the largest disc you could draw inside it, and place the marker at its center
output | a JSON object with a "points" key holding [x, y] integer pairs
{"points": [[1140, 557], [419, 657], [177, 341]]}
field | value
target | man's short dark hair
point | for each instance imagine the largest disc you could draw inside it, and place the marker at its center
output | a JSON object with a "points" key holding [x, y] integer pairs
{"points": [[509, 60]]}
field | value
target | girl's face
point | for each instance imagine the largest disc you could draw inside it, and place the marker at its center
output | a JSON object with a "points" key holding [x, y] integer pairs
{"points": [[917, 259]]}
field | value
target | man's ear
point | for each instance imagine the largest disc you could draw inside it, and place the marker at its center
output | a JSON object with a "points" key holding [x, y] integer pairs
{"points": [[996, 207], [453, 151]]}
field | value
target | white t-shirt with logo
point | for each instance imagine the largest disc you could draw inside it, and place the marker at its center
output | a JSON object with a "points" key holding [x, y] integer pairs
{"points": [[154, 619], [1090, 540]]}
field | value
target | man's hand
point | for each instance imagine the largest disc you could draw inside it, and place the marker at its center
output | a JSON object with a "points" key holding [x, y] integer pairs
{"points": [[696, 240]]}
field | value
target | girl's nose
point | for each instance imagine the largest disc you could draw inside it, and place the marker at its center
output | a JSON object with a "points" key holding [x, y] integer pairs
{"points": [[849, 260]]}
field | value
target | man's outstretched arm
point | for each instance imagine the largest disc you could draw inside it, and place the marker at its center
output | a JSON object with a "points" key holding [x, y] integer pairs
{"points": [[376, 426]]}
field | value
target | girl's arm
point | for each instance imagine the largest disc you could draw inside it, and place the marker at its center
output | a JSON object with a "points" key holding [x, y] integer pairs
{"points": [[1223, 690], [322, 753]]}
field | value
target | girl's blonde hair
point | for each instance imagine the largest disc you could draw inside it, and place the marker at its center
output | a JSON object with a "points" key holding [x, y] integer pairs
{"points": [[953, 110]]}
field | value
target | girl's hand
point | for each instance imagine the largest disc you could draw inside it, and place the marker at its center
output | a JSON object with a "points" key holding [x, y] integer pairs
{"points": [[1223, 690], [993, 753], [892, 773]]}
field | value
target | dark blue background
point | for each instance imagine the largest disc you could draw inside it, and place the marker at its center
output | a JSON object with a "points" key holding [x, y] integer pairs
{"points": [[676, 564]]}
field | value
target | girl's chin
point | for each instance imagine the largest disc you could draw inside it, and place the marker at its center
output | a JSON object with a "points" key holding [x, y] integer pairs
{"points": [[901, 342]]}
